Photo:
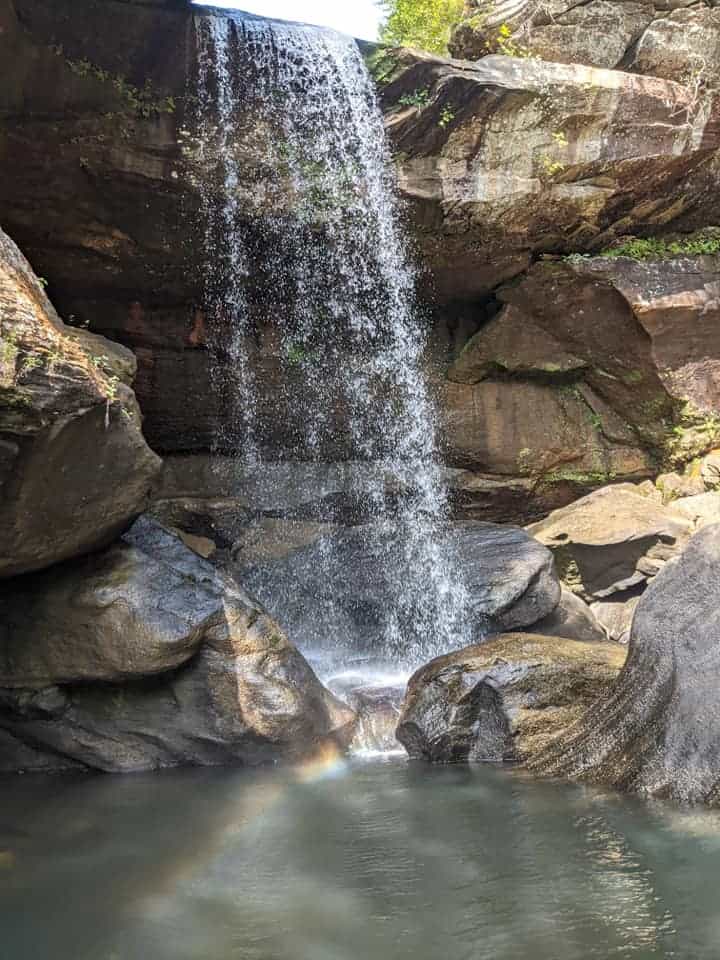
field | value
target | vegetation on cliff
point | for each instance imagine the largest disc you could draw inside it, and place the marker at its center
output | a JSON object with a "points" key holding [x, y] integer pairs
{"points": [[424, 24]]}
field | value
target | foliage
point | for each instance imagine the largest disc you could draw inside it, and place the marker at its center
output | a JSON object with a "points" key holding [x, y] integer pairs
{"points": [[145, 101], [507, 47], [447, 115], [654, 248], [418, 98], [424, 24]]}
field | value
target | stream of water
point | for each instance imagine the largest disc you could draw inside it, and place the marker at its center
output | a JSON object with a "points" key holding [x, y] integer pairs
{"points": [[311, 303], [359, 861]]}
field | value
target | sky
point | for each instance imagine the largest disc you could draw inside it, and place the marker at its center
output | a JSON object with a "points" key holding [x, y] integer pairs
{"points": [[359, 18]]}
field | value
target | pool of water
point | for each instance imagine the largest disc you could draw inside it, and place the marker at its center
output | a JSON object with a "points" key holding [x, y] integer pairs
{"points": [[350, 861]]}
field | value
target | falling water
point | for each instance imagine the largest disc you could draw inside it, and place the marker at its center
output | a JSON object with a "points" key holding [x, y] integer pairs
{"points": [[311, 308]]}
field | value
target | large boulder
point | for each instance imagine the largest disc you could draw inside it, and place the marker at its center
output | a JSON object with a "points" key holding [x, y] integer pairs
{"points": [[503, 700], [74, 466], [473, 578], [680, 44], [612, 540], [154, 659], [483, 207], [658, 732]]}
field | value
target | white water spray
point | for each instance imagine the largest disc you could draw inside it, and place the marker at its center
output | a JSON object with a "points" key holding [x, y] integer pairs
{"points": [[297, 191]]}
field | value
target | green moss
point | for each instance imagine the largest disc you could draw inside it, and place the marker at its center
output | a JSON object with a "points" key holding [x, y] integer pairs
{"points": [[382, 65], [654, 248], [585, 479], [417, 98]]}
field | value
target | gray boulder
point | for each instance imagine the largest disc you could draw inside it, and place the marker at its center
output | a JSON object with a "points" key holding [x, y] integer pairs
{"points": [[658, 733], [371, 586], [572, 618], [201, 674]]}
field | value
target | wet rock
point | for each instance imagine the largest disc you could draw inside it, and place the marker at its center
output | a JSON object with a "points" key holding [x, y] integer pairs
{"points": [[358, 579], [535, 430], [378, 712], [221, 498], [572, 619], [658, 732], [74, 467], [219, 519], [200, 672], [612, 540], [505, 699], [512, 345]]}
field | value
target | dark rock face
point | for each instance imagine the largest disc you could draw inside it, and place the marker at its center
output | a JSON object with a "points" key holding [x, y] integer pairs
{"points": [[354, 577], [74, 466], [505, 699], [657, 733], [200, 673]]}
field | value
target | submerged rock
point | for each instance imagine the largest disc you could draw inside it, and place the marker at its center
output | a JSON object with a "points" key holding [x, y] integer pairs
{"points": [[366, 587], [200, 673], [505, 699], [74, 467], [658, 732], [612, 540]]}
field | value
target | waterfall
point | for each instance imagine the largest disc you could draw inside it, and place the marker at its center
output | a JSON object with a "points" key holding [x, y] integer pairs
{"points": [[312, 314]]}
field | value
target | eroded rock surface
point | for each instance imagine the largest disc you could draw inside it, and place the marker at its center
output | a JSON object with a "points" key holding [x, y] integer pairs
{"points": [[604, 153], [503, 700], [658, 732], [612, 540], [664, 39], [74, 466], [193, 670]]}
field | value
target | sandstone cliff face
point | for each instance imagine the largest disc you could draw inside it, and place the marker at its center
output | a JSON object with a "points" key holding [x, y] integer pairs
{"points": [[509, 158], [671, 38], [74, 467], [501, 162]]}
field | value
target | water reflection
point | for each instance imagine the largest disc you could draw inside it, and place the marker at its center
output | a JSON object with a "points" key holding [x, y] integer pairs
{"points": [[350, 862]]}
